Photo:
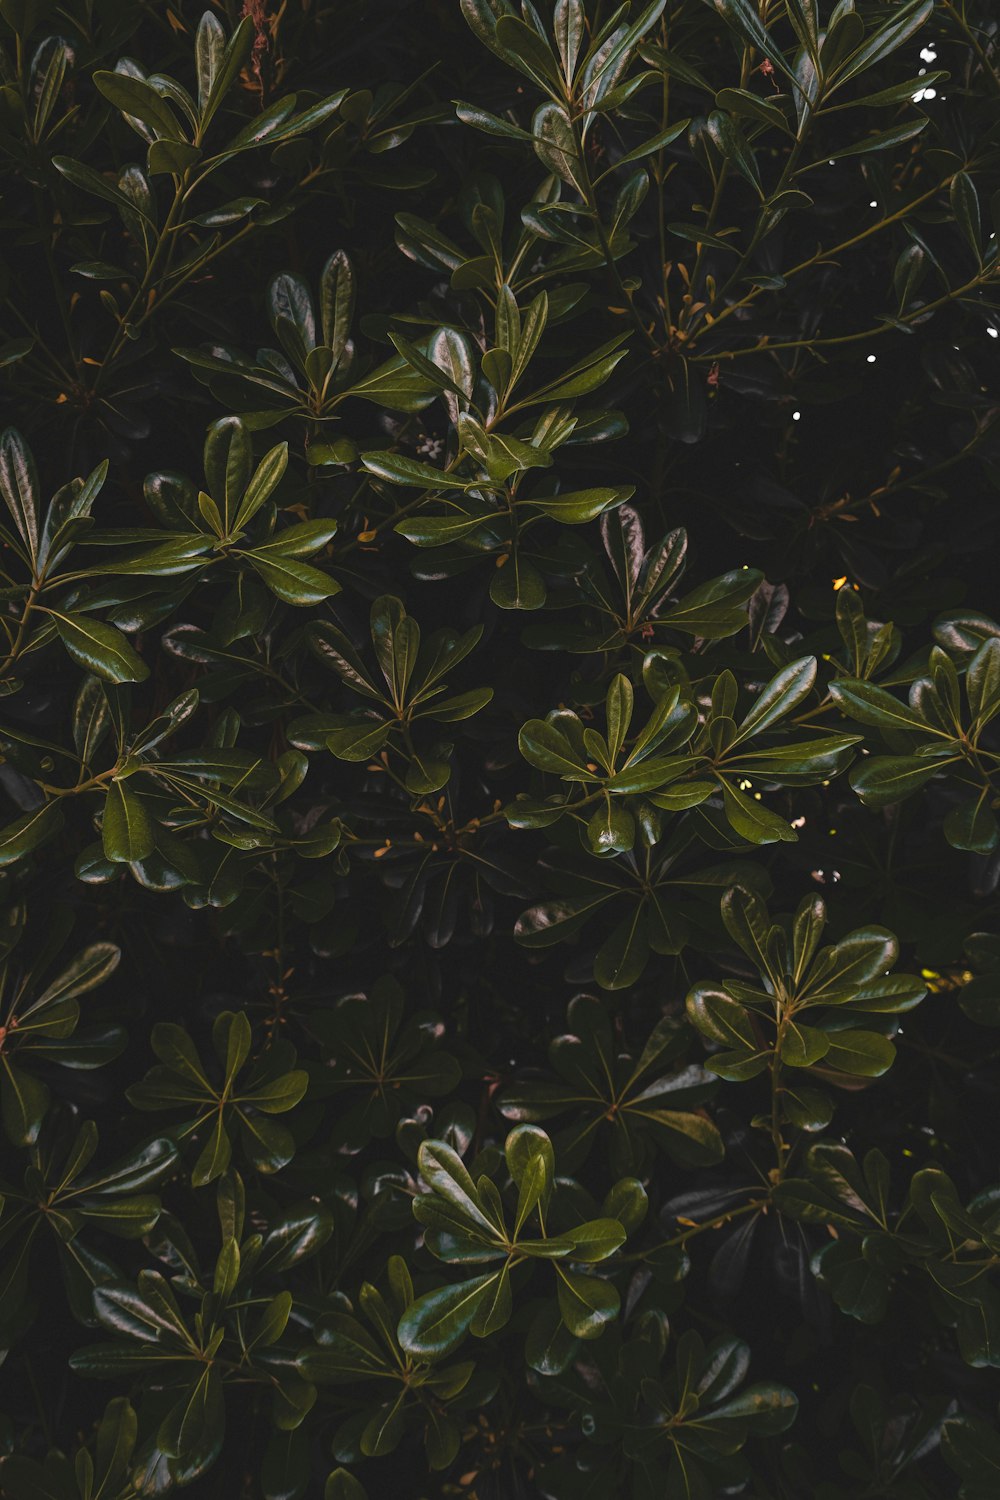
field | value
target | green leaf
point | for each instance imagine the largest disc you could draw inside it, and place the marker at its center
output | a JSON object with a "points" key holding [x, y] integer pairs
{"points": [[209, 51], [89, 181], [341, 1485], [556, 146], [444, 1172], [29, 832], [742, 16], [595, 1240], [611, 829], [223, 70], [732, 146], [494, 1310], [972, 826], [19, 487], [586, 1303], [99, 648], [395, 468], [481, 119], [623, 956], [766, 1408], [865, 1054], [752, 820], [881, 140], [437, 1322], [550, 1347], [265, 481], [23, 1103], [544, 745], [903, 23], [801, 1046], [292, 581], [782, 694], [873, 705], [581, 505], [134, 97], [127, 830], [526, 50], [517, 583], [885, 779]]}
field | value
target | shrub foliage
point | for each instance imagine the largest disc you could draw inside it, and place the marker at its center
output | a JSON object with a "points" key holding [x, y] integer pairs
{"points": [[500, 955]]}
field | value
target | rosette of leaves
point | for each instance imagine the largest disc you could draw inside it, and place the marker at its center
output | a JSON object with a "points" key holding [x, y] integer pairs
{"points": [[194, 820], [174, 124], [680, 1433], [945, 728], [69, 1199], [859, 1266], [797, 1022], [146, 573], [444, 878], [677, 760], [239, 1094], [698, 1421], [511, 256], [483, 504], [954, 1245], [40, 1030], [867, 646], [957, 1245], [654, 900], [584, 72], [893, 1434], [106, 1473], [36, 548], [637, 1102], [623, 595], [315, 368], [195, 198], [198, 1338], [380, 1063], [391, 729], [607, 776], [466, 1222], [425, 1396], [233, 521]]}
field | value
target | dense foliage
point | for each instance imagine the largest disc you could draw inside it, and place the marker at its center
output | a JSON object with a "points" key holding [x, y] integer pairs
{"points": [[500, 762]]}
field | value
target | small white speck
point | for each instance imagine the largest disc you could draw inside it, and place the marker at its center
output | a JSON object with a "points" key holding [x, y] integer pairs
{"points": [[992, 333], [921, 72], [873, 203], [818, 875], [918, 96], [928, 55], [831, 162], [869, 359], [796, 415], [798, 822], [930, 93]]}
